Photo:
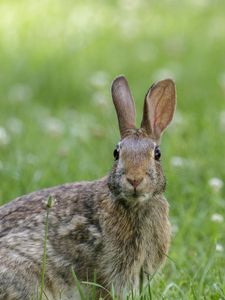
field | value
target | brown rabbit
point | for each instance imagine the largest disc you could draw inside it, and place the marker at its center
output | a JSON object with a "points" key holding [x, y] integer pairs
{"points": [[114, 229]]}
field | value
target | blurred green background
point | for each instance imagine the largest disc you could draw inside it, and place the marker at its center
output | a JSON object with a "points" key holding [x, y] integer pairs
{"points": [[58, 124]]}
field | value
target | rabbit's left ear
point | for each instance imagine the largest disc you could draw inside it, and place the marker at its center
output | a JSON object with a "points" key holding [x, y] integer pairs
{"points": [[124, 105], [159, 107]]}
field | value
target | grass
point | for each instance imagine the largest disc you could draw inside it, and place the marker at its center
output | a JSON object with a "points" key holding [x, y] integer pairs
{"points": [[58, 124], [44, 257]]}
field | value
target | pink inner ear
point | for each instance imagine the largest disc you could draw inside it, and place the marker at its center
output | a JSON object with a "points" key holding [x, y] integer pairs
{"points": [[156, 117], [161, 114]]}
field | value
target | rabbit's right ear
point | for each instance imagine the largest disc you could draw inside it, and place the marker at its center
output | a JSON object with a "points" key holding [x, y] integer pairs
{"points": [[159, 107], [124, 105]]}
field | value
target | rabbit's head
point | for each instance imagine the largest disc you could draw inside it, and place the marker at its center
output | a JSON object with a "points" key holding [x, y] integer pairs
{"points": [[137, 174]]}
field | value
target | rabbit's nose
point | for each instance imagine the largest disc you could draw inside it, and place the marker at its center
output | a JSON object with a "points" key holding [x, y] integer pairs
{"points": [[134, 182]]}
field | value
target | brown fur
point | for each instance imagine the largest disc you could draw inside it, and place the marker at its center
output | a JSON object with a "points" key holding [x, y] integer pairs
{"points": [[106, 227]]}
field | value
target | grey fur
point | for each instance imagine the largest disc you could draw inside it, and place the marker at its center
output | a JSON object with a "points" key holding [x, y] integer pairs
{"points": [[105, 227]]}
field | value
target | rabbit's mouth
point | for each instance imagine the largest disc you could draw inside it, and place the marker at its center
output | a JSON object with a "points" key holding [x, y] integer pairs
{"points": [[137, 196], [134, 197], [141, 197]]}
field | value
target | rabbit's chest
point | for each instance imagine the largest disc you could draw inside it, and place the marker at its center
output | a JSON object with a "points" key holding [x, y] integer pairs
{"points": [[134, 242], [145, 250], [149, 248]]}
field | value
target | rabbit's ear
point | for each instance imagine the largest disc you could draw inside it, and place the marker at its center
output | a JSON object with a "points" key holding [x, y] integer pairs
{"points": [[124, 104], [159, 107]]}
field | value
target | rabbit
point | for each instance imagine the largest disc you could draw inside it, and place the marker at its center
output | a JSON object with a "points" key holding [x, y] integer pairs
{"points": [[115, 229]]}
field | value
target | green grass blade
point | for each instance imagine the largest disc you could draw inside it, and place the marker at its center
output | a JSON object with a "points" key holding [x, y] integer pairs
{"points": [[44, 257], [78, 285]]}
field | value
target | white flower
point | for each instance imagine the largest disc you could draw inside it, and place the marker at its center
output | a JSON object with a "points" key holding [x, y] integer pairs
{"points": [[174, 229], [217, 218], [31, 159], [99, 79], [100, 99], [177, 161], [216, 184], [219, 247], [54, 127], [15, 125], [80, 128], [200, 3], [63, 151], [4, 137], [37, 176], [178, 119], [130, 27], [131, 4]]}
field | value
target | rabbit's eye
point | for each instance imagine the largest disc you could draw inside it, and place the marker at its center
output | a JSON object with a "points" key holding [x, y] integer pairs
{"points": [[157, 153], [116, 154]]}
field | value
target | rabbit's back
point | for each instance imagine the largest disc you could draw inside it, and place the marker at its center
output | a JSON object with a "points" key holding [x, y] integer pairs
{"points": [[74, 238]]}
